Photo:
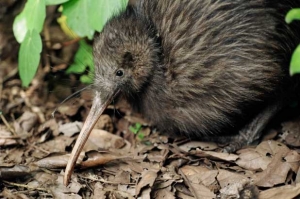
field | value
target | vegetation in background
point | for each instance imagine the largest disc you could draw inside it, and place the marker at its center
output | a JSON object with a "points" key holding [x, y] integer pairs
{"points": [[82, 17], [292, 15], [136, 130]]}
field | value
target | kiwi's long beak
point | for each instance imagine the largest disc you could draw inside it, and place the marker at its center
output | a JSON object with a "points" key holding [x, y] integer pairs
{"points": [[99, 105]]}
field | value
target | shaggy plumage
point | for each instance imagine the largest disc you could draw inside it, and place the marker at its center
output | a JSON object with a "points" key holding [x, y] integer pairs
{"points": [[197, 67]]}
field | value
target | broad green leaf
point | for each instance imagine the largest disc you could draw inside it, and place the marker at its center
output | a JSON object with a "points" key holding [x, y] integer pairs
{"points": [[83, 62], [29, 56], [83, 59], [293, 14], [55, 2], [141, 136], [32, 17], [136, 128], [295, 62], [86, 16], [102, 11], [62, 20], [86, 79]]}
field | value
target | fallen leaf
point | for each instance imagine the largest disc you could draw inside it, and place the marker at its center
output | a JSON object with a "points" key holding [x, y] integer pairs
{"points": [[99, 192], [286, 192], [193, 177], [206, 146], [100, 139], [292, 128], [70, 129], [217, 155], [250, 159], [281, 161], [147, 179], [13, 173], [55, 162], [164, 194], [26, 122], [97, 158]]}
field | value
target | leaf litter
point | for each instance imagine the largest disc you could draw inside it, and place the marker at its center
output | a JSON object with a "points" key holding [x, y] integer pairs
{"points": [[124, 157]]}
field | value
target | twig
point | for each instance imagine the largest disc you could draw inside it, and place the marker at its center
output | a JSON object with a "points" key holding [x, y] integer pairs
{"points": [[104, 181], [7, 124], [26, 186]]}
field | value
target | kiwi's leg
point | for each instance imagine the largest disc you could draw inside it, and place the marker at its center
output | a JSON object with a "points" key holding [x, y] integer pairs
{"points": [[251, 133]]}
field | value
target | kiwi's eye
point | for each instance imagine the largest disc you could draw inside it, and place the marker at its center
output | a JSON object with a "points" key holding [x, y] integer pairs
{"points": [[119, 73]]}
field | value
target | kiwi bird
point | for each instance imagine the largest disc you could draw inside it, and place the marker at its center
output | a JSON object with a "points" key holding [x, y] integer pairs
{"points": [[200, 68]]}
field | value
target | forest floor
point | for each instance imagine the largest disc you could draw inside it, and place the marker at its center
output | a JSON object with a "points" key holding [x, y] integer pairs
{"points": [[124, 157]]}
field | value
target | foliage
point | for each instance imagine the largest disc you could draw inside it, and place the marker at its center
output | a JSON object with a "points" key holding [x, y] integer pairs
{"points": [[83, 17], [292, 15], [83, 62], [136, 130]]}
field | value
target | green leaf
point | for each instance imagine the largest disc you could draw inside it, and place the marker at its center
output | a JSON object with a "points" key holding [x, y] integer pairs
{"points": [[141, 136], [86, 79], [136, 128], [293, 14], [55, 2], [295, 62], [86, 16], [32, 17], [103, 11], [83, 59], [29, 56]]}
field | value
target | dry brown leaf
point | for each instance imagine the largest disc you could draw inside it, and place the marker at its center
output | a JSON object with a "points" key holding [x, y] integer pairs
{"points": [[105, 122], [145, 193], [283, 192], [122, 177], [13, 173], [55, 162], [192, 176], [165, 184], [275, 173], [100, 139], [231, 183], [7, 141], [26, 122], [182, 195], [250, 159], [97, 158], [293, 159], [271, 147], [9, 194], [45, 178], [59, 190], [226, 178], [233, 190], [217, 155], [6, 137], [15, 156], [127, 189], [292, 128], [148, 178], [199, 174], [49, 124], [98, 192], [70, 129], [70, 108], [206, 146], [164, 194], [56, 145]]}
